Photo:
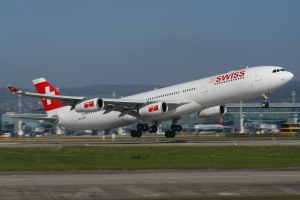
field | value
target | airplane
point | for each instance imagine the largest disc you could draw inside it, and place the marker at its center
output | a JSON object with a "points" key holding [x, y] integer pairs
{"points": [[207, 96], [207, 127]]}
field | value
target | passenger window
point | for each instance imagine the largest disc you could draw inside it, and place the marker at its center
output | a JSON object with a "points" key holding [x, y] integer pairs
{"points": [[278, 70], [274, 71]]}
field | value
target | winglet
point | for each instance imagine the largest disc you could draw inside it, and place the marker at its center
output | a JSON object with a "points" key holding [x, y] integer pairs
{"points": [[13, 89]]}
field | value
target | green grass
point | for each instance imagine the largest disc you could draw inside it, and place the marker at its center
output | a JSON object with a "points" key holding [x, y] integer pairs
{"points": [[148, 158]]}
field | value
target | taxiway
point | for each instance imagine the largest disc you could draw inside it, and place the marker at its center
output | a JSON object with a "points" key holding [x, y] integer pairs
{"points": [[142, 184]]}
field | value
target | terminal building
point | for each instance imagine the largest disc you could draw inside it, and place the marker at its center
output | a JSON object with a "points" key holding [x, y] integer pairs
{"points": [[20, 127], [251, 113]]}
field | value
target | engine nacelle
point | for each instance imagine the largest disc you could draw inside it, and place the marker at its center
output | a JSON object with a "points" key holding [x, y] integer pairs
{"points": [[215, 111], [153, 109], [90, 105]]}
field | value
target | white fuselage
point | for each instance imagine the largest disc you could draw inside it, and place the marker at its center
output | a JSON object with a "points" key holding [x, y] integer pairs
{"points": [[202, 93]]}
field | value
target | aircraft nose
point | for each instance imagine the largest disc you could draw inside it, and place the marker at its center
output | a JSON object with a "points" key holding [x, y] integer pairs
{"points": [[286, 77], [289, 76]]}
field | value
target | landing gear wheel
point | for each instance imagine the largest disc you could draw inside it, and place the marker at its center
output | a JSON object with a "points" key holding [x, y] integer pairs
{"points": [[140, 127], [167, 134], [152, 129], [265, 104], [170, 134], [138, 133], [178, 128], [173, 127], [145, 127], [133, 133]]}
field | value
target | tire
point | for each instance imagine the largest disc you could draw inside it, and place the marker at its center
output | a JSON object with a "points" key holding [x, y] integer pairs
{"points": [[150, 129], [173, 127], [139, 134], [139, 127], [145, 127], [265, 104], [178, 128], [172, 134], [167, 134], [133, 133]]}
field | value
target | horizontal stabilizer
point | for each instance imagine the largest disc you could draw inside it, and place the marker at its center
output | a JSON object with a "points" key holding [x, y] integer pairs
{"points": [[53, 120]]}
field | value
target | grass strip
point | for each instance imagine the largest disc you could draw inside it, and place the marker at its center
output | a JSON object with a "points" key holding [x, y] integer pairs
{"points": [[148, 158]]}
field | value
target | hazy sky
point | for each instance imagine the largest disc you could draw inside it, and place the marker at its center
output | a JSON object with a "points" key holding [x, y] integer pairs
{"points": [[74, 43]]}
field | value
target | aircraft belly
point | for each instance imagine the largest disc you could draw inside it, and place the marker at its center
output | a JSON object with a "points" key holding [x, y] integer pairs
{"points": [[95, 121]]}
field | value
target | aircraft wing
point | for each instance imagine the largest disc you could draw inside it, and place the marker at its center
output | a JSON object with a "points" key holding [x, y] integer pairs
{"points": [[130, 106], [123, 105], [68, 100], [134, 103]]}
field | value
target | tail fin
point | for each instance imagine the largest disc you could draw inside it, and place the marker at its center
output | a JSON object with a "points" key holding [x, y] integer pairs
{"points": [[44, 87]]}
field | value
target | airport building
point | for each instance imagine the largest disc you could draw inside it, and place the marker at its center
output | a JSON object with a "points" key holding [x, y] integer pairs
{"points": [[253, 117], [277, 113], [28, 127]]}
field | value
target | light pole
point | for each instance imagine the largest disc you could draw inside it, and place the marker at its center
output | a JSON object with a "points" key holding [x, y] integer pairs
{"points": [[241, 118], [293, 96]]}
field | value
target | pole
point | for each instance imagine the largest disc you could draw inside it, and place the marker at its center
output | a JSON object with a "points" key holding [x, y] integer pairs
{"points": [[241, 118]]}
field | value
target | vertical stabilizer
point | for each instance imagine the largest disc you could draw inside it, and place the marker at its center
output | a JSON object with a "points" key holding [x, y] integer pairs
{"points": [[44, 87]]}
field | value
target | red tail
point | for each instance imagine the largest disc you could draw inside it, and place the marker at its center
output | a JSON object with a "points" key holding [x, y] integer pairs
{"points": [[44, 87]]}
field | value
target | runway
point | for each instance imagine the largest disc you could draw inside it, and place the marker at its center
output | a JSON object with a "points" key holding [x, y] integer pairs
{"points": [[142, 184], [151, 143]]}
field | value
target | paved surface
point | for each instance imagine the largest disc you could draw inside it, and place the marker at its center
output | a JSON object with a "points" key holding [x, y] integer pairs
{"points": [[158, 143], [138, 185]]}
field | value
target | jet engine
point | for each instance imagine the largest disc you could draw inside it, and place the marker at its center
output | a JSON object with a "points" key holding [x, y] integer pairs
{"points": [[215, 111], [90, 105], [153, 109]]}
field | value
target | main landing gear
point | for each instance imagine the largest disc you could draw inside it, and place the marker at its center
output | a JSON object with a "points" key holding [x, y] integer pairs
{"points": [[265, 103], [140, 128], [174, 128], [153, 128]]}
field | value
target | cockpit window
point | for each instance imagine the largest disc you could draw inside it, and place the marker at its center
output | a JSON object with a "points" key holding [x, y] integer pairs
{"points": [[278, 70]]}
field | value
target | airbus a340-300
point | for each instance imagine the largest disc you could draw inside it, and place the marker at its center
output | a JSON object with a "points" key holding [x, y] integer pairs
{"points": [[206, 96]]}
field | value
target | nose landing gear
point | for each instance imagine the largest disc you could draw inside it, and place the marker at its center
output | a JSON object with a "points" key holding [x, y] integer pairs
{"points": [[265, 103]]}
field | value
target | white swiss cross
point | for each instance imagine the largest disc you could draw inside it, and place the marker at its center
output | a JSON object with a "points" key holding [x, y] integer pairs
{"points": [[47, 91]]}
